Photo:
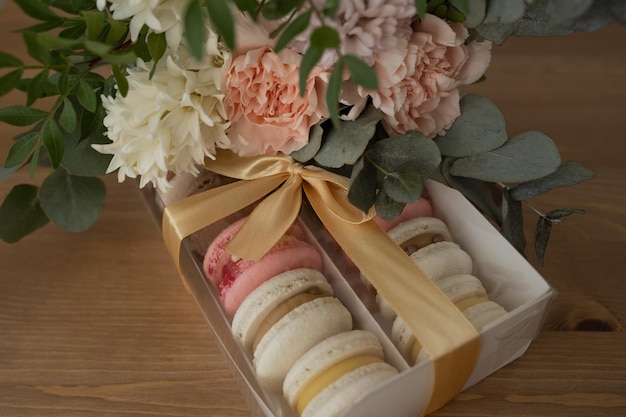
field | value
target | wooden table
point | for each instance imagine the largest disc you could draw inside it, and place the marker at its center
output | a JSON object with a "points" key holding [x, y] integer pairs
{"points": [[98, 323]]}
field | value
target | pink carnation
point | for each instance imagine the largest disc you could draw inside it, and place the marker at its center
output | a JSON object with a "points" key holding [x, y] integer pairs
{"points": [[419, 78], [263, 103]]}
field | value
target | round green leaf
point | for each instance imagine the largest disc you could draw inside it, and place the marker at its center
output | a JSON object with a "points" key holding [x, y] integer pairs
{"points": [[362, 192], [404, 186], [409, 150], [525, 157], [20, 213], [72, 202], [386, 207], [480, 128], [346, 145]]}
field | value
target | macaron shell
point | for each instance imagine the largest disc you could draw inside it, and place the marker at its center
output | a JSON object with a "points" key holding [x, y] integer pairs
{"points": [[326, 354], [343, 393], [402, 337], [417, 227], [460, 287], [240, 278], [294, 334], [266, 297], [442, 259], [217, 256], [484, 313]]}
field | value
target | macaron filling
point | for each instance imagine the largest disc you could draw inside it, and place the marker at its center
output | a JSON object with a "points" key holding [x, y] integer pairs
{"points": [[331, 375], [421, 241]]}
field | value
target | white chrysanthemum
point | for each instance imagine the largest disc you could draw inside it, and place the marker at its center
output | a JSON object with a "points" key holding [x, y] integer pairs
{"points": [[160, 16], [169, 122]]}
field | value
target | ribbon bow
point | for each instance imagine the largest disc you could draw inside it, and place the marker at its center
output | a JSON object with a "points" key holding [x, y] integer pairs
{"points": [[412, 295]]}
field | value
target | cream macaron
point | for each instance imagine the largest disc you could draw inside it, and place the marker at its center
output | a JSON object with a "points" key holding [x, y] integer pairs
{"points": [[331, 376]]}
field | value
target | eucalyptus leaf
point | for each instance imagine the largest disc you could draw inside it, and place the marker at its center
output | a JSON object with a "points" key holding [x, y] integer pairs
{"points": [[362, 192], [405, 185], [561, 11], [570, 173], [20, 213], [346, 145], [474, 11], [513, 222], [482, 194], [409, 150], [386, 207], [21, 115], [20, 150], [480, 128], [504, 11], [542, 236], [72, 202], [525, 157], [312, 147]]}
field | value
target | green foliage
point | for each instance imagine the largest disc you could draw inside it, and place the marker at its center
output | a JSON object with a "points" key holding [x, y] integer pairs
{"points": [[71, 40], [70, 201], [21, 213]]}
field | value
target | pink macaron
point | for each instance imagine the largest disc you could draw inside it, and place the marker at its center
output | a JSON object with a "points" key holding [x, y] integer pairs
{"points": [[235, 277]]}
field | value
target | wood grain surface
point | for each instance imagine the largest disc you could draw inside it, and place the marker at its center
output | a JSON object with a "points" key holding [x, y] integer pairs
{"points": [[98, 324]]}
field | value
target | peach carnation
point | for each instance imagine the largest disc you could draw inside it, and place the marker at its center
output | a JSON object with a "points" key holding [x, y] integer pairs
{"points": [[419, 78], [263, 104]]}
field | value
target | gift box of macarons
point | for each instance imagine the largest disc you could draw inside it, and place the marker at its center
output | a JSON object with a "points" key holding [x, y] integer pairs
{"points": [[314, 327]]}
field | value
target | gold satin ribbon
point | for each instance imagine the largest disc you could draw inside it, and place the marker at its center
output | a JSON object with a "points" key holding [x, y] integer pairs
{"points": [[281, 180]]}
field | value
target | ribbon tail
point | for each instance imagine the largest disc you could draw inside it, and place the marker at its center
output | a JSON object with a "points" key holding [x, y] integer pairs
{"points": [[269, 221], [414, 297], [185, 217]]}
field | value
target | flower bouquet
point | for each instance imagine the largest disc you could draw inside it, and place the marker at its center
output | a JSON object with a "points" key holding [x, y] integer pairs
{"points": [[362, 97]]}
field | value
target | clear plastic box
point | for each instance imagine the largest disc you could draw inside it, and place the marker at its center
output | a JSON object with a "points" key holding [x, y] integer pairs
{"points": [[509, 279]]}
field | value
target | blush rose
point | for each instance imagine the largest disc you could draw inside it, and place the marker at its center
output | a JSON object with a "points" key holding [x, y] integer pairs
{"points": [[419, 78], [264, 105]]}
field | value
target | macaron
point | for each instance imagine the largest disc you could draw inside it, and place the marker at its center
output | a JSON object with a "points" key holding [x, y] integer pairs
{"points": [[484, 313], [416, 233], [442, 259], [272, 294], [463, 290], [295, 333], [235, 278], [332, 375]]}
